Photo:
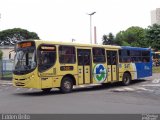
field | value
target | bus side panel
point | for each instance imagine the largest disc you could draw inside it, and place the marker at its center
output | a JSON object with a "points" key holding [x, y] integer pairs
{"points": [[127, 67], [80, 75], [143, 69], [109, 76]]}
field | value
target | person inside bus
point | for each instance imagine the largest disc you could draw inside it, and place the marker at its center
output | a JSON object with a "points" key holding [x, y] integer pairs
{"points": [[67, 59], [144, 60], [98, 55], [129, 60], [69, 56], [113, 61], [44, 58]]}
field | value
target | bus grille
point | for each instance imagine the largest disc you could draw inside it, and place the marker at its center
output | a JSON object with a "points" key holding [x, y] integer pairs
{"points": [[20, 79], [20, 84]]}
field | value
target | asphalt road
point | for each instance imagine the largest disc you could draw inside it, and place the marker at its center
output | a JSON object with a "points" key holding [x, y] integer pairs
{"points": [[142, 96]]}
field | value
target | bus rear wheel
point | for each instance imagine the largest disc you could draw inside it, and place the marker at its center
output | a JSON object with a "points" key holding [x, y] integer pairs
{"points": [[126, 79], [66, 85]]}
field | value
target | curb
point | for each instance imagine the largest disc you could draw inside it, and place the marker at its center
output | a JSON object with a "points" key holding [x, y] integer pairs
{"points": [[5, 82]]}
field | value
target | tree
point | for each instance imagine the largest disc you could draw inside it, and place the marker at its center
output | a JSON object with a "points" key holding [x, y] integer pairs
{"points": [[105, 40], [108, 39], [133, 36], [11, 36], [153, 36]]}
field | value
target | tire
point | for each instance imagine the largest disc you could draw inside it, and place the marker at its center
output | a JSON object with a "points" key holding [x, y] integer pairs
{"points": [[66, 85], [46, 90], [126, 79]]}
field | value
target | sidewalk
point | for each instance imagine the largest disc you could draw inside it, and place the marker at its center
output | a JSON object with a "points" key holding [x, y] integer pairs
{"points": [[5, 82]]}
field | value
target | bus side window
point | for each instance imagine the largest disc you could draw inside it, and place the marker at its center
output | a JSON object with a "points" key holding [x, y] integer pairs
{"points": [[67, 54], [46, 57], [145, 56], [99, 55]]}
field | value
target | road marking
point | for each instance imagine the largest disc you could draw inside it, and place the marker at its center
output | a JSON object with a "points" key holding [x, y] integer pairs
{"points": [[128, 89], [17, 89], [156, 81], [131, 89], [144, 89], [6, 83], [30, 89], [141, 88], [86, 86], [153, 85], [123, 89]]}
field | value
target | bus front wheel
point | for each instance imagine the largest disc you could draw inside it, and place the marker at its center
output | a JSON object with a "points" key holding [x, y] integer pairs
{"points": [[126, 79], [66, 85]]}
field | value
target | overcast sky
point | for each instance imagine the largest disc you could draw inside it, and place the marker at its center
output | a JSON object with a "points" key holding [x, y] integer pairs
{"points": [[64, 20]]}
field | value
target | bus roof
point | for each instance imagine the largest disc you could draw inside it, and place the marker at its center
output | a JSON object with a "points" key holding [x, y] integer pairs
{"points": [[76, 44], [88, 45], [134, 48]]}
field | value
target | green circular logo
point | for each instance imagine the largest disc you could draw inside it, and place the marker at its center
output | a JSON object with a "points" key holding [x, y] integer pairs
{"points": [[100, 73]]}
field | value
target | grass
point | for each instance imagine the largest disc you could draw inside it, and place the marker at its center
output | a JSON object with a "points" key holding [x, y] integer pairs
{"points": [[6, 75], [156, 69]]}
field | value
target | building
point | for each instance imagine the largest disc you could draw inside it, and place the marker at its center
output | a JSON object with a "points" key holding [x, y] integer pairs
{"points": [[155, 16], [6, 64], [6, 50]]}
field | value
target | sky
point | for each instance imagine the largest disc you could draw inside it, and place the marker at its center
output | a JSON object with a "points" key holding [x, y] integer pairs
{"points": [[64, 20]]}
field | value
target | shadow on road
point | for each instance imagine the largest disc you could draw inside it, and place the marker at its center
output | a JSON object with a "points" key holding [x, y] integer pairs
{"points": [[86, 88]]}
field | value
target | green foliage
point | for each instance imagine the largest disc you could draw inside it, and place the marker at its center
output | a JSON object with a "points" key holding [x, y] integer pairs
{"points": [[119, 40], [133, 36], [138, 37], [1, 55], [108, 39], [153, 36], [11, 36]]}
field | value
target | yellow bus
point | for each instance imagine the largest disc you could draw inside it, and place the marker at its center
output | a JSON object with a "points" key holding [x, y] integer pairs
{"points": [[46, 64]]}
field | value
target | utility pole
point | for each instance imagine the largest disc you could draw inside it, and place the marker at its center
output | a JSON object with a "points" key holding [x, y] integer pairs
{"points": [[91, 25], [95, 35]]}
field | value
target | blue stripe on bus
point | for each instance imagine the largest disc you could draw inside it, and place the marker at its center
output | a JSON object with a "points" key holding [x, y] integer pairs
{"points": [[134, 48], [144, 69]]}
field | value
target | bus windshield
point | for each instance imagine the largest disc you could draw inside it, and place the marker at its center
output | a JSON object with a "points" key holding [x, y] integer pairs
{"points": [[25, 60]]}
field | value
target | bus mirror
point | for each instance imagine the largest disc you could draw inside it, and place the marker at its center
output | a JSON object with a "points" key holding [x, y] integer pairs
{"points": [[9, 55], [15, 47]]}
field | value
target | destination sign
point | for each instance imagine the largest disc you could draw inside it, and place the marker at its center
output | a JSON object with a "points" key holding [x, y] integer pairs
{"points": [[66, 68], [24, 44]]}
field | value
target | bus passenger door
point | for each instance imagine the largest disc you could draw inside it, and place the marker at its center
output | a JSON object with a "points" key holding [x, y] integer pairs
{"points": [[84, 66], [46, 60], [112, 65]]}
